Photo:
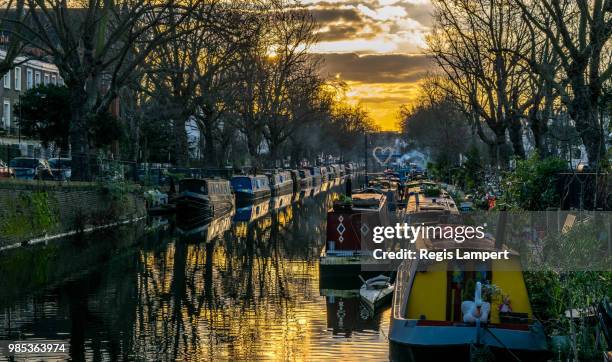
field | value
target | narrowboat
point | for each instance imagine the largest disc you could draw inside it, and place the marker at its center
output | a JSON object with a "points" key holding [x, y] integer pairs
{"points": [[297, 181], [249, 188], [306, 179], [428, 198], [390, 188], [201, 200], [315, 172], [349, 227], [332, 172], [280, 182], [324, 173], [456, 309]]}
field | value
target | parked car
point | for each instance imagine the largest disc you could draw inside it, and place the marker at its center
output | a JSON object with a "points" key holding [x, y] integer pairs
{"points": [[27, 168], [5, 171], [61, 167]]}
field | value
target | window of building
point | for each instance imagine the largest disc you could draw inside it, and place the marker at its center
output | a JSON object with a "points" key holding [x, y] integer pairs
{"points": [[6, 113], [46, 79], [37, 79], [17, 78], [30, 79], [7, 80], [54, 79]]}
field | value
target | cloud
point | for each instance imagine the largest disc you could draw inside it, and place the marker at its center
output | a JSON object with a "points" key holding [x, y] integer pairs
{"points": [[366, 26], [376, 47], [380, 83], [376, 68]]}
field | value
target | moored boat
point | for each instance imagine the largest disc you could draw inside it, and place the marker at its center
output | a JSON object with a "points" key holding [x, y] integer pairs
{"points": [[455, 308], [390, 188], [315, 172], [296, 179], [428, 199], [201, 200], [349, 226], [376, 291], [249, 188], [324, 173], [280, 182], [306, 180]]}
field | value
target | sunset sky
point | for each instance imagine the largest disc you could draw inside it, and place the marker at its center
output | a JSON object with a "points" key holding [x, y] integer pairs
{"points": [[376, 46]]}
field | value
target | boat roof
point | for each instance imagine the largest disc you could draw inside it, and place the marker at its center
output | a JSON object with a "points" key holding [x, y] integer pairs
{"points": [[368, 200], [485, 244], [249, 176]]}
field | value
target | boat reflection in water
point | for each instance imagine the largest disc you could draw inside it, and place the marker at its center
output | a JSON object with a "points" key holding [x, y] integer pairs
{"points": [[201, 200], [346, 313], [205, 231], [280, 202]]}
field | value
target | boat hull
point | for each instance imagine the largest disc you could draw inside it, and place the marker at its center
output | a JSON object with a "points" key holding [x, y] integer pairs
{"points": [[400, 352], [193, 206], [376, 298], [247, 197], [456, 340], [282, 189]]}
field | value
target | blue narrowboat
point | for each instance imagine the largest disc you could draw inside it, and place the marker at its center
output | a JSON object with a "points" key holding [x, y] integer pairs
{"points": [[250, 188]]}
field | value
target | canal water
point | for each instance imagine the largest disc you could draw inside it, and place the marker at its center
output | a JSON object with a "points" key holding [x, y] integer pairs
{"points": [[244, 288]]}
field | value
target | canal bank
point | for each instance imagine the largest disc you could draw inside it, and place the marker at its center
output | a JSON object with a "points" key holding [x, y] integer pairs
{"points": [[41, 210]]}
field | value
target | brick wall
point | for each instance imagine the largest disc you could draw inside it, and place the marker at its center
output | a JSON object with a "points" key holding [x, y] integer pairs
{"points": [[33, 209]]}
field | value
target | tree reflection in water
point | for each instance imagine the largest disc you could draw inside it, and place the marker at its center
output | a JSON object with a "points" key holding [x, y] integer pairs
{"points": [[248, 292]]}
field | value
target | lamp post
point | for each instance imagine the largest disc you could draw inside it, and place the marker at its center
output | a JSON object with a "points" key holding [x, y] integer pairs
{"points": [[365, 134], [20, 118]]}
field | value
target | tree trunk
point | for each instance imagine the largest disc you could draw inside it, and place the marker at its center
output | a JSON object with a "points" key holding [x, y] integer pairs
{"points": [[209, 146], [583, 109], [79, 136], [253, 146], [181, 151], [516, 136], [497, 150], [539, 127], [591, 133]]}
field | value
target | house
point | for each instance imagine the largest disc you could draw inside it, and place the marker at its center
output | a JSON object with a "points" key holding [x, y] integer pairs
{"points": [[26, 75]]}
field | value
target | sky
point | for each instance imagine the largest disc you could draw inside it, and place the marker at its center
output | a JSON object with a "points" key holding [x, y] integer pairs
{"points": [[376, 47]]}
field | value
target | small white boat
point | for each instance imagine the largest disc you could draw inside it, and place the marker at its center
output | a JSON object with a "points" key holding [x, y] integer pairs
{"points": [[376, 291]]}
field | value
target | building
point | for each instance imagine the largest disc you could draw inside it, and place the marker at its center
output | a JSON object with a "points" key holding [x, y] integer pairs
{"points": [[26, 75]]}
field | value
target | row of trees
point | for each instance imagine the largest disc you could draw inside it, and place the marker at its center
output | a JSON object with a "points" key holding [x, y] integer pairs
{"points": [[237, 73], [515, 68]]}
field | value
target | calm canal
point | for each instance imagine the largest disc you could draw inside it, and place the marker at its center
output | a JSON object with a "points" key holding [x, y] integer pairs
{"points": [[246, 289]]}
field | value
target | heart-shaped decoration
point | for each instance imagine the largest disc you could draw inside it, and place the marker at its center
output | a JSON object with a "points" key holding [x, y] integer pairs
{"points": [[382, 155]]}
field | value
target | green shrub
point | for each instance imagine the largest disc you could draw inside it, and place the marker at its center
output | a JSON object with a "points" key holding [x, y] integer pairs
{"points": [[533, 184]]}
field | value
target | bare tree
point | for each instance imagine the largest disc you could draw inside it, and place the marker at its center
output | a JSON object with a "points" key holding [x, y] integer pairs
{"points": [[97, 46], [274, 71], [476, 43], [579, 33]]}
